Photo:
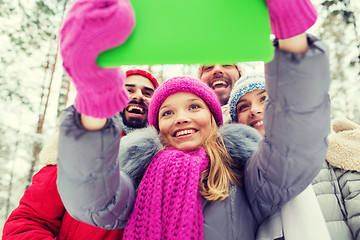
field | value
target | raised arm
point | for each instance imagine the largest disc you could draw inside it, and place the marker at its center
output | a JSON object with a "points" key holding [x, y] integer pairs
{"points": [[297, 115], [89, 180], [297, 44]]}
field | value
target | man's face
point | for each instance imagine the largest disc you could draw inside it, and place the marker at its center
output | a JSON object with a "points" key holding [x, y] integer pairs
{"points": [[221, 78], [140, 90]]}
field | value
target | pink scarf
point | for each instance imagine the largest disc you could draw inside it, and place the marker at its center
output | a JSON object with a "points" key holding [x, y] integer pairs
{"points": [[168, 203]]}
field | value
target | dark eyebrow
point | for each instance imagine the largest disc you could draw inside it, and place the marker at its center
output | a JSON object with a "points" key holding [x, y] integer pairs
{"points": [[243, 100], [194, 99], [149, 89], [262, 92], [165, 106], [189, 100], [146, 88]]}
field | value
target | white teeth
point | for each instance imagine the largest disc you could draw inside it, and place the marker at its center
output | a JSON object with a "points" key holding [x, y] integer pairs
{"points": [[219, 82], [184, 132], [131, 108], [258, 123]]}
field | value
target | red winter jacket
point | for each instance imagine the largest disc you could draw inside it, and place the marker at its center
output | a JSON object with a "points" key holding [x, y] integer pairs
{"points": [[41, 215]]}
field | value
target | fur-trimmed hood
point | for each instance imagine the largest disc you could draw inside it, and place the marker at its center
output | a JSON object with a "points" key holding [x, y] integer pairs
{"points": [[344, 145]]}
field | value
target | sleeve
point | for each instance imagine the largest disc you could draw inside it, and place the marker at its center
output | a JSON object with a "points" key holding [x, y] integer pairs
{"points": [[349, 182], [296, 122], [40, 211], [90, 183]]}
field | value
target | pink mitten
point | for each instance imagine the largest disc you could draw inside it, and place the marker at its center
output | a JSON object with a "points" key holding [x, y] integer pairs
{"points": [[90, 27], [290, 17]]}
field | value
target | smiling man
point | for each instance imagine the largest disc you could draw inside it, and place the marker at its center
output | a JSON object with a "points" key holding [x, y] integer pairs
{"points": [[221, 78], [141, 86]]}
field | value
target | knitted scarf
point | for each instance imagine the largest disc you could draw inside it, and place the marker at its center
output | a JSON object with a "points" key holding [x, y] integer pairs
{"points": [[168, 203]]}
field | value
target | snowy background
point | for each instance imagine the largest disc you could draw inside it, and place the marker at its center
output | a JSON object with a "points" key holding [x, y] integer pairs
{"points": [[34, 87]]}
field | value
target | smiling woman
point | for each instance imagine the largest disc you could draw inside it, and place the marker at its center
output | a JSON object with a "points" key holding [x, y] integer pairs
{"points": [[187, 114], [187, 125], [247, 101]]}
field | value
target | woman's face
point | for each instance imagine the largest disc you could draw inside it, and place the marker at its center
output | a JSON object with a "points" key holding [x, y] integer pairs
{"points": [[250, 109], [184, 121]]}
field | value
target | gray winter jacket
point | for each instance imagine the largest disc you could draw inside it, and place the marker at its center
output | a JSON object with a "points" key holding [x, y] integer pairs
{"points": [[338, 193], [95, 190], [337, 186]]}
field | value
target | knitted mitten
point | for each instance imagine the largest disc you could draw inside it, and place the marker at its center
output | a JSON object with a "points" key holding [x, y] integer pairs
{"points": [[290, 17], [91, 27]]}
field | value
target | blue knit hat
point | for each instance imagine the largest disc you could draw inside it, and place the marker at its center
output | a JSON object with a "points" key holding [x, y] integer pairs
{"points": [[246, 84]]}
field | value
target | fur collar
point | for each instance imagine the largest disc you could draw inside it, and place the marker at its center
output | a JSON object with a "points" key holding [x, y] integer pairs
{"points": [[139, 147]]}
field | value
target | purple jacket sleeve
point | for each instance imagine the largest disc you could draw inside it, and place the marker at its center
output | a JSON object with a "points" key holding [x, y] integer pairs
{"points": [[297, 122], [89, 182]]}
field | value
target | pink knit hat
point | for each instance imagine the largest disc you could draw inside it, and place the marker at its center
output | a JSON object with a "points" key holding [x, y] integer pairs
{"points": [[143, 73], [184, 84]]}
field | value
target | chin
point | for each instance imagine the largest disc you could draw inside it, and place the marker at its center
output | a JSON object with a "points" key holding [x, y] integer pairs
{"points": [[136, 122], [187, 148], [262, 131]]}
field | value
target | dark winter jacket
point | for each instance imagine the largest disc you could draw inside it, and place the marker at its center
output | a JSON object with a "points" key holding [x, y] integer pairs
{"points": [[297, 119]]}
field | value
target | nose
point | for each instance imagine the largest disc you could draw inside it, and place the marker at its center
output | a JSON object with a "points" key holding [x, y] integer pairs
{"points": [[182, 118], [256, 109], [137, 95], [218, 70]]}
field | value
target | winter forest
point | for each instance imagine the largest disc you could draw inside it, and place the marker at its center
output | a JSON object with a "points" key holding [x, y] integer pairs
{"points": [[34, 87]]}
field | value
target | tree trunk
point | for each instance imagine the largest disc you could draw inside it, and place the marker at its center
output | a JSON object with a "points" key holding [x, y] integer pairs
{"points": [[43, 108]]}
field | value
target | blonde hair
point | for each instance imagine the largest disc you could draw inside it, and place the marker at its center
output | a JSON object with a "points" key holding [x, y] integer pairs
{"points": [[215, 181]]}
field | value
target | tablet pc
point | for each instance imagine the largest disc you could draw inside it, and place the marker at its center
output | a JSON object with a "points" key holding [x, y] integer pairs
{"points": [[194, 32]]}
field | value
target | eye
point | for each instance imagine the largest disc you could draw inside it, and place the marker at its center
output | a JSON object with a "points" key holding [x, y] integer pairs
{"points": [[166, 113], [194, 106], [208, 68], [130, 90], [147, 93], [243, 107], [263, 98]]}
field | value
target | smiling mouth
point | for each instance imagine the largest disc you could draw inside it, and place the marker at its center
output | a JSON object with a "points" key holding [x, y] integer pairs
{"points": [[136, 109], [219, 83], [257, 124], [184, 132]]}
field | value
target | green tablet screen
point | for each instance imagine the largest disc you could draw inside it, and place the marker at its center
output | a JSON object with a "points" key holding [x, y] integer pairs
{"points": [[194, 32]]}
